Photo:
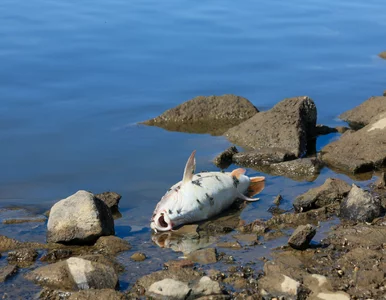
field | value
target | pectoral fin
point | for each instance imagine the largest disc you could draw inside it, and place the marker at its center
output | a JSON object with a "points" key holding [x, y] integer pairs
{"points": [[189, 168], [256, 185]]}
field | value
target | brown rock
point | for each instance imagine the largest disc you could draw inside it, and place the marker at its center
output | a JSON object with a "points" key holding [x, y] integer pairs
{"points": [[24, 255], [179, 264], [262, 157], [56, 254], [288, 125], [110, 198], [7, 272], [224, 159], [382, 55], [233, 245], [138, 256], [204, 256], [111, 245], [302, 236], [323, 129]]}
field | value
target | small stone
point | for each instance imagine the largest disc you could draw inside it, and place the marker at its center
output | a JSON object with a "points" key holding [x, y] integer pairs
{"points": [[224, 159], [179, 264], [138, 256], [381, 182], [205, 287], [112, 245], [277, 200], [302, 237], [203, 256], [7, 272], [233, 245]]}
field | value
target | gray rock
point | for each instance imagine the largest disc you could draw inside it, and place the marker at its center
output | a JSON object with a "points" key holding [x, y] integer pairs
{"points": [[323, 129], [360, 205], [331, 191], [280, 285], [302, 236], [203, 256], [22, 255], [289, 125], [205, 287], [361, 151], [212, 114], [262, 157], [277, 200], [79, 219], [224, 159], [170, 288], [363, 114], [7, 272], [75, 274], [110, 198]]}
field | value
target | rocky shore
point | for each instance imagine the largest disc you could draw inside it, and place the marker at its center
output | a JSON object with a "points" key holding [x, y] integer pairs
{"points": [[81, 256]]}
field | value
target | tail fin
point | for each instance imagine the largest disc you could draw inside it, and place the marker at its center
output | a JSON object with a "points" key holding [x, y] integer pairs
{"points": [[256, 185]]}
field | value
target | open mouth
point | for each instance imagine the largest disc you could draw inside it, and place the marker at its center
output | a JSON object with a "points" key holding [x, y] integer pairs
{"points": [[162, 222]]}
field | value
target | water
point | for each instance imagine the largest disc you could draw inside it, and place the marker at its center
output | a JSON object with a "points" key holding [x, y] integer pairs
{"points": [[77, 76]]}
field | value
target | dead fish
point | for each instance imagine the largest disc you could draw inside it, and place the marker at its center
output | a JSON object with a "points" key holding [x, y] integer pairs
{"points": [[201, 196]]}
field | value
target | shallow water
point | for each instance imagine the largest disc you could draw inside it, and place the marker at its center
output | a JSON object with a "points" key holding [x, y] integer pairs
{"points": [[76, 77]]}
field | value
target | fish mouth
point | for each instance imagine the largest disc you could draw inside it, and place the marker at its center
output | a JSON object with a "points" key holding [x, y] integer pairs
{"points": [[161, 222]]}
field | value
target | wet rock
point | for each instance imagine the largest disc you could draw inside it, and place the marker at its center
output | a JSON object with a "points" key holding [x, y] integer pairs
{"points": [[24, 220], [212, 114], [79, 219], [138, 256], [110, 294], [302, 236], [75, 274], [341, 129], [169, 288], [205, 287], [7, 244], [56, 254], [203, 256], [224, 159], [104, 260], [111, 245], [258, 227], [277, 200], [288, 125], [363, 114], [298, 169], [382, 55], [381, 182], [360, 205], [281, 285], [233, 245], [110, 198], [179, 264], [323, 129], [361, 151], [7, 272], [22, 257], [262, 157], [331, 191]]}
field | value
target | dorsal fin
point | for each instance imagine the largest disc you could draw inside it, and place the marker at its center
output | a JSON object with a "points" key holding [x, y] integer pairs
{"points": [[189, 168], [238, 172]]}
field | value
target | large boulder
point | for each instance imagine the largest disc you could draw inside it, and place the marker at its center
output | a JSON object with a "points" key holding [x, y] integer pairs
{"points": [[360, 151], [363, 114], [80, 218], [332, 191], [360, 205], [75, 273], [289, 125], [211, 114]]}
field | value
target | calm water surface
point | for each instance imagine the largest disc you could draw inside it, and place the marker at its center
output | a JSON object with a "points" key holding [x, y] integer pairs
{"points": [[77, 76]]}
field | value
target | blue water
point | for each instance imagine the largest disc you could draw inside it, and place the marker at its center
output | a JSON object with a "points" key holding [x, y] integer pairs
{"points": [[77, 76]]}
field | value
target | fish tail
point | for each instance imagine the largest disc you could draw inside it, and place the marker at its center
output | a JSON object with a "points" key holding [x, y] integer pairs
{"points": [[256, 185]]}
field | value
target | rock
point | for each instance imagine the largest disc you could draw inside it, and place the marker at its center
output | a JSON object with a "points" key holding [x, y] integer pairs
{"points": [[233, 245], [277, 200], [341, 129], [360, 206], [79, 219], [362, 115], [92, 294], [382, 55], [298, 169], [179, 264], [56, 254], [75, 274], [24, 255], [289, 125], [7, 272], [281, 285], [212, 114], [138, 256], [203, 256], [262, 157], [323, 129], [169, 288], [205, 287], [384, 93], [332, 191], [224, 159], [24, 220], [7, 244], [381, 182], [302, 237], [110, 198], [258, 227], [361, 151], [111, 245]]}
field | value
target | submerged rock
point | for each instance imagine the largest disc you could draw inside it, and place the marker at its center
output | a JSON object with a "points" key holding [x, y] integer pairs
{"points": [[75, 273], [302, 236], [79, 219], [361, 151], [362, 115], [203, 256], [111, 245], [224, 159], [7, 272], [24, 256], [289, 125], [323, 129], [360, 205], [138, 256], [7, 244], [331, 191], [212, 114]]}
